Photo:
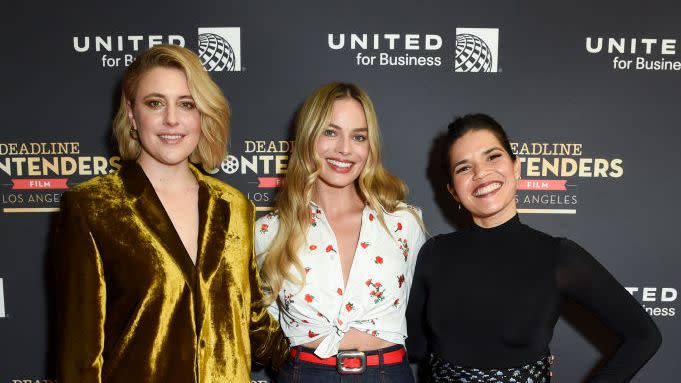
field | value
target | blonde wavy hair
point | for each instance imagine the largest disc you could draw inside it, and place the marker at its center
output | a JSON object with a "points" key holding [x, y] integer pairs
{"points": [[210, 101], [377, 187]]}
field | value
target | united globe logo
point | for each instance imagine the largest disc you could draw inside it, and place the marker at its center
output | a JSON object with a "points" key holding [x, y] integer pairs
{"points": [[220, 49], [472, 54], [477, 50], [215, 52]]}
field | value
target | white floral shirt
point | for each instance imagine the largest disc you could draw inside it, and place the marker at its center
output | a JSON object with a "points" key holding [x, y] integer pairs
{"points": [[375, 297]]}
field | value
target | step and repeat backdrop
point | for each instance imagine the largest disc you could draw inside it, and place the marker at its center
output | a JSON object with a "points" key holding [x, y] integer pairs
{"points": [[589, 94]]}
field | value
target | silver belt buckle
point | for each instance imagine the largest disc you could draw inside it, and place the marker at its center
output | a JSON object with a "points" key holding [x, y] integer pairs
{"points": [[352, 354]]}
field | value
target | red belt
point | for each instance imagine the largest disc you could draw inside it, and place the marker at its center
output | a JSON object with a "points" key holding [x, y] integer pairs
{"points": [[350, 362]]}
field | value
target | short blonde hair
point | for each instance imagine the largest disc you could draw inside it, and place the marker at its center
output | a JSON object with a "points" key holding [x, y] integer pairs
{"points": [[210, 101]]}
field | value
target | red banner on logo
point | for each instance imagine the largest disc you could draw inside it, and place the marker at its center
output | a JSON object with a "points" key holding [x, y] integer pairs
{"points": [[269, 182], [541, 184], [39, 183]]}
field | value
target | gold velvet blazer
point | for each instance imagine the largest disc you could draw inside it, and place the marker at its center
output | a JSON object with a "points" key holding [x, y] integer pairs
{"points": [[132, 307]]}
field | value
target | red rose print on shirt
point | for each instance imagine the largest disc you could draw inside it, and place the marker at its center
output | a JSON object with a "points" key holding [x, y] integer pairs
{"points": [[339, 291], [404, 248], [313, 247], [311, 334], [378, 260], [371, 217], [314, 216], [399, 227], [309, 298], [400, 281], [377, 293], [349, 306], [364, 245], [368, 282], [330, 249], [264, 227], [307, 270], [396, 303]]}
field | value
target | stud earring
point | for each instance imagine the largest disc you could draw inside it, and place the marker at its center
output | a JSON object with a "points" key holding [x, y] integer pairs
{"points": [[133, 133]]}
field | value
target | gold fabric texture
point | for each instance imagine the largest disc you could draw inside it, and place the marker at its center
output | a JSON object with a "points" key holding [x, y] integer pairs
{"points": [[132, 307]]}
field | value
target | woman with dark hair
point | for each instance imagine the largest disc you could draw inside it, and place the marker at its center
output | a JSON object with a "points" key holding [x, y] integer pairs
{"points": [[156, 276], [485, 300]]}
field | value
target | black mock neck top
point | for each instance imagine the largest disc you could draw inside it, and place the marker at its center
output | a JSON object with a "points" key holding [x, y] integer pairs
{"points": [[490, 298]]}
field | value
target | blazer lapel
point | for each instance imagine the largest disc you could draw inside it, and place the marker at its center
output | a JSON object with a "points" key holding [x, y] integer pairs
{"points": [[214, 217], [149, 209]]}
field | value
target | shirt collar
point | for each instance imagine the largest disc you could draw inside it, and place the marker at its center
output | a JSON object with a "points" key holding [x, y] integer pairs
{"points": [[314, 206]]}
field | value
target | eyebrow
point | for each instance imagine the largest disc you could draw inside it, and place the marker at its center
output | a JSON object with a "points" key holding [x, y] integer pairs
{"points": [[164, 96], [332, 125], [488, 151]]}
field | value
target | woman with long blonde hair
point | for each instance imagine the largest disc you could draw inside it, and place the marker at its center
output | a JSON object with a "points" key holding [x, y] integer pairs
{"points": [[338, 252]]}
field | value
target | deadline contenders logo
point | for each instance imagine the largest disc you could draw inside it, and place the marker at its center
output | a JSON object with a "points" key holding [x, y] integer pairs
{"points": [[267, 161], [637, 54], [551, 173], [218, 48], [34, 174], [470, 50]]}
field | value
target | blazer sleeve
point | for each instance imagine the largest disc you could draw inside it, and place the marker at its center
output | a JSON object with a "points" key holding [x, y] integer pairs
{"points": [[81, 297], [268, 343]]}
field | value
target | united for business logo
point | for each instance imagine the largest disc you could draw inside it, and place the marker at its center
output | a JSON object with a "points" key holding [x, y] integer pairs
{"points": [[636, 54], [656, 301], [468, 50], [477, 50], [220, 49], [114, 51]]}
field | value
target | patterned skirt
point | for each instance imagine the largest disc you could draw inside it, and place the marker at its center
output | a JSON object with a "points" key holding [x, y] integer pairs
{"points": [[535, 372]]}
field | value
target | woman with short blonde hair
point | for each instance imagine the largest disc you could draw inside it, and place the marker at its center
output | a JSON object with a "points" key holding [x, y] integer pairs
{"points": [[156, 277], [210, 101]]}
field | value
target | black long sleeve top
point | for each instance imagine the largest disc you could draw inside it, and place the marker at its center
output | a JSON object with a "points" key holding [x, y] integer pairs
{"points": [[489, 298]]}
